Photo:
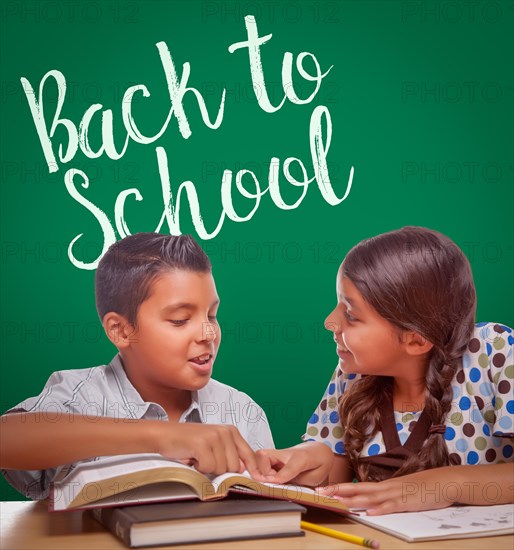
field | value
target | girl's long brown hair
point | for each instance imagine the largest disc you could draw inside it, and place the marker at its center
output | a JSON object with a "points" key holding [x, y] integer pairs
{"points": [[418, 280]]}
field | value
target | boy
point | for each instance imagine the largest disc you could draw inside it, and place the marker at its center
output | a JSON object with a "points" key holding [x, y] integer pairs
{"points": [[157, 300]]}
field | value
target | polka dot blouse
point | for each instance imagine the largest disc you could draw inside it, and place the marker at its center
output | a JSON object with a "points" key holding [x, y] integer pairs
{"points": [[479, 426]]}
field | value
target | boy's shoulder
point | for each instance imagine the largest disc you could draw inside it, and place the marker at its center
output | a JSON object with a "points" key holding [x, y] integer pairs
{"points": [[85, 373], [216, 390], [82, 391], [98, 375], [220, 403]]}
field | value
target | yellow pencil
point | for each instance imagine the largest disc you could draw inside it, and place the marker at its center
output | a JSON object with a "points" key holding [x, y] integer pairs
{"points": [[339, 535]]}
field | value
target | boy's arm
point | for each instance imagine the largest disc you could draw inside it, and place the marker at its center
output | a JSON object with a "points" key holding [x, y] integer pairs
{"points": [[30, 441]]}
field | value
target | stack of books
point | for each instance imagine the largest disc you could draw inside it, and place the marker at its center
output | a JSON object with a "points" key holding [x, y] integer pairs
{"points": [[148, 500]]}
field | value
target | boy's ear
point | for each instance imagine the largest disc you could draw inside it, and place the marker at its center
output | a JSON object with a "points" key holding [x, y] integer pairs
{"points": [[415, 344], [119, 331]]}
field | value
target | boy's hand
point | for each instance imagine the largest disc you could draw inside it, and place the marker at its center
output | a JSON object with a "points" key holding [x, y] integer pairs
{"points": [[306, 464], [212, 448]]}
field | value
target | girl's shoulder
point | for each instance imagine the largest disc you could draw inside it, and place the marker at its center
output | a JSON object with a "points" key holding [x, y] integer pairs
{"points": [[343, 381], [487, 367], [489, 348]]}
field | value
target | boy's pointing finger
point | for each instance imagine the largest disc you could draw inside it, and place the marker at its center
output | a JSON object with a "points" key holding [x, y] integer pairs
{"points": [[247, 455]]}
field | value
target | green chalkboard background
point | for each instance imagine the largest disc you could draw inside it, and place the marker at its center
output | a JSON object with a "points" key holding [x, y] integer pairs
{"points": [[421, 101]]}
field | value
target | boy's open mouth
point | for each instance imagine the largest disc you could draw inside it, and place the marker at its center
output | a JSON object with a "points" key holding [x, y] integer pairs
{"points": [[201, 359]]}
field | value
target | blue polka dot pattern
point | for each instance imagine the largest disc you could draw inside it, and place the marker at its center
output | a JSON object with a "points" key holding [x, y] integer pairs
{"points": [[476, 416], [373, 449], [505, 422], [449, 433], [464, 403], [339, 448], [461, 445], [474, 375], [472, 457], [403, 437], [480, 422], [486, 389]]}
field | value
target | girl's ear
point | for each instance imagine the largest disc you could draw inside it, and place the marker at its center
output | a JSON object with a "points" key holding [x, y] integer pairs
{"points": [[415, 344], [119, 331]]}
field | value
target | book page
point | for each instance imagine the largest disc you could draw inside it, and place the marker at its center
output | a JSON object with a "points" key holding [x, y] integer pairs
{"points": [[453, 522], [244, 483], [229, 477], [157, 492], [93, 476], [112, 466]]}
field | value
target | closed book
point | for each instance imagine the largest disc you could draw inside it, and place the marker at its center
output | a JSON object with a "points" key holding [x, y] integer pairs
{"points": [[194, 521]]}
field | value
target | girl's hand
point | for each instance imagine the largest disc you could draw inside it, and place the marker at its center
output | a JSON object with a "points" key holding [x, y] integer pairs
{"points": [[480, 485], [306, 464], [427, 490]]}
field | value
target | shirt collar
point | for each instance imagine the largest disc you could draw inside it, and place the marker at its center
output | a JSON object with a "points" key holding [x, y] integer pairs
{"points": [[138, 408], [194, 412]]}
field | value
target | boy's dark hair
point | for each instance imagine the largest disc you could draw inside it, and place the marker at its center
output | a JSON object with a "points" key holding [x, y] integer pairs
{"points": [[129, 267]]}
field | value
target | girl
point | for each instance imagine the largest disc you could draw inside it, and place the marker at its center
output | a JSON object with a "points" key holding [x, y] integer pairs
{"points": [[420, 407]]}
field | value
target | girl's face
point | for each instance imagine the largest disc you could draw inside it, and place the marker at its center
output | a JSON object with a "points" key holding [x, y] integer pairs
{"points": [[366, 342]]}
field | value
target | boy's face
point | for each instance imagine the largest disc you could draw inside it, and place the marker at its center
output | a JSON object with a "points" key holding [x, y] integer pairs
{"points": [[177, 335]]}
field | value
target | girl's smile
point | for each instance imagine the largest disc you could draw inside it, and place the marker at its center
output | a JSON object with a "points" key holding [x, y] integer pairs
{"points": [[366, 343], [343, 353]]}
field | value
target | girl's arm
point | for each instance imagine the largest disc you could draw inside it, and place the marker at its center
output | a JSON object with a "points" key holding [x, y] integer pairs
{"points": [[341, 471], [431, 489]]}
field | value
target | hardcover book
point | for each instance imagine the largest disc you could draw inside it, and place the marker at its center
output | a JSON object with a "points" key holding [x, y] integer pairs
{"points": [[195, 521], [137, 479]]}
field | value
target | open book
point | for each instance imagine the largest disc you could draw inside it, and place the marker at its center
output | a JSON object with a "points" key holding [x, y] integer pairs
{"points": [[135, 479]]}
